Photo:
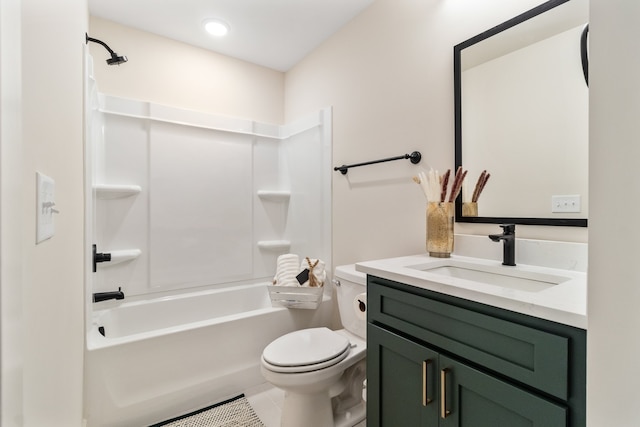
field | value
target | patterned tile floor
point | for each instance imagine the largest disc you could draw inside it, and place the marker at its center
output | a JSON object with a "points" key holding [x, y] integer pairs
{"points": [[266, 401]]}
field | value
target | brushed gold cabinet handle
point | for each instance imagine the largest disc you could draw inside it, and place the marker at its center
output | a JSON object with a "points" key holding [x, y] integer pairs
{"points": [[425, 382], [444, 412]]}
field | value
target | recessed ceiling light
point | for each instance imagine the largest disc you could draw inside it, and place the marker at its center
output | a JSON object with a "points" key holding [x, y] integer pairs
{"points": [[216, 27]]}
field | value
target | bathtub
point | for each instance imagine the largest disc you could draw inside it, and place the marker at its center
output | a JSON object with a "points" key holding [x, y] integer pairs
{"points": [[147, 361]]}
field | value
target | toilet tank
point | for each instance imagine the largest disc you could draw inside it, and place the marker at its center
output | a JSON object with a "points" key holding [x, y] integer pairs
{"points": [[351, 288]]}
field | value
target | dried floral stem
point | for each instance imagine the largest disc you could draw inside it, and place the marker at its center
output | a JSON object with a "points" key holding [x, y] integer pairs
{"points": [[445, 183], [482, 181], [457, 183]]}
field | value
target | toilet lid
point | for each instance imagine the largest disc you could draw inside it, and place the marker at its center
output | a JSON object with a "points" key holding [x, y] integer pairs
{"points": [[306, 347]]}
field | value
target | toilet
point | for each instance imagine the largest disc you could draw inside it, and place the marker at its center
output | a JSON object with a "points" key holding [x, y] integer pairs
{"points": [[322, 371]]}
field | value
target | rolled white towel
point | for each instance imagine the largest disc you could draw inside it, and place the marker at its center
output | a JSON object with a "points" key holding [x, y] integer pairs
{"points": [[288, 260], [287, 270]]}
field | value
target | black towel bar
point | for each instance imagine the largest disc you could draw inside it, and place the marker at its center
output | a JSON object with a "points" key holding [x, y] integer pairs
{"points": [[415, 158]]}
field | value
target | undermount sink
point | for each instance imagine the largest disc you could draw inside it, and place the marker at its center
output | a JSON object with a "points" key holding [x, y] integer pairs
{"points": [[503, 276]]}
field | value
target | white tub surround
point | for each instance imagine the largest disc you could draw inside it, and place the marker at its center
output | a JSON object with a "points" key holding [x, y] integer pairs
{"points": [[565, 302], [203, 199]]}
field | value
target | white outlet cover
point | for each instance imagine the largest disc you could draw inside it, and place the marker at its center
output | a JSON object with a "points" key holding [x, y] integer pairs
{"points": [[45, 202], [569, 203]]}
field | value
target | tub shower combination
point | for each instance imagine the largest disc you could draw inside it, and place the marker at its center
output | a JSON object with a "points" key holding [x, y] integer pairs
{"points": [[194, 210]]}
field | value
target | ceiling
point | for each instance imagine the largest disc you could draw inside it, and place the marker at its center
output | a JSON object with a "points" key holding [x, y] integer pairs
{"points": [[273, 33]]}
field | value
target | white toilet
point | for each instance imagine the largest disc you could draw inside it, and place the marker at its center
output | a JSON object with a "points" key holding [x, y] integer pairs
{"points": [[322, 371]]}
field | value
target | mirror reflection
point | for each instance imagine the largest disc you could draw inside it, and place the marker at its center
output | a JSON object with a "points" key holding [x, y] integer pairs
{"points": [[522, 115]]}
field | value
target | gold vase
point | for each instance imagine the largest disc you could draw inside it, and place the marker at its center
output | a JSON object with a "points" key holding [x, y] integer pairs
{"points": [[440, 216], [470, 209]]}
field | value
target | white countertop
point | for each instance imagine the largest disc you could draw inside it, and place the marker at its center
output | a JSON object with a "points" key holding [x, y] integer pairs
{"points": [[564, 303]]}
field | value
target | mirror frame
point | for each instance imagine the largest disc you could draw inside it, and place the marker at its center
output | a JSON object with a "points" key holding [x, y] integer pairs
{"points": [[457, 52]]}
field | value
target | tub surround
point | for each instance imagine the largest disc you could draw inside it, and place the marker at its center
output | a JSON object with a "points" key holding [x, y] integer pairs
{"points": [[156, 191], [564, 303]]}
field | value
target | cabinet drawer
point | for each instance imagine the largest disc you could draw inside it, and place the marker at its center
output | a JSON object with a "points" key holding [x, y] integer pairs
{"points": [[528, 355]]}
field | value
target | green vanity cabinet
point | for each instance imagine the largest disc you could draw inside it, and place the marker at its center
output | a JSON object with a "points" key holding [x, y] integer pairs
{"points": [[437, 360], [402, 383]]}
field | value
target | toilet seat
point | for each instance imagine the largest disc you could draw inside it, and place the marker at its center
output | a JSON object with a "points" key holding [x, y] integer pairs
{"points": [[306, 350]]}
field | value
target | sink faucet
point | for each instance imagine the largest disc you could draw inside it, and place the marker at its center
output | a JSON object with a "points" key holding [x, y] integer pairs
{"points": [[103, 296], [508, 238]]}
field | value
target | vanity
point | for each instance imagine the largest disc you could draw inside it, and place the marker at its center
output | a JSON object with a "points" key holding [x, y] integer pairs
{"points": [[467, 341], [453, 343]]}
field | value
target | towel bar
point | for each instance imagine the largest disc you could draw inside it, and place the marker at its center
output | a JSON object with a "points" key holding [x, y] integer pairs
{"points": [[414, 157]]}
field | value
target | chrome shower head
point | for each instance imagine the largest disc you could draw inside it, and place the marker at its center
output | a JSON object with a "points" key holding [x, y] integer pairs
{"points": [[115, 59]]}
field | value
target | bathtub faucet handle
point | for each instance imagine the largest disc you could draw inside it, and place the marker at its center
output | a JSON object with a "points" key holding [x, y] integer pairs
{"points": [[99, 257]]}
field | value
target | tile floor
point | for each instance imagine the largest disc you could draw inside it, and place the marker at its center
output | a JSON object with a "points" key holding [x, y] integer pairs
{"points": [[267, 400]]}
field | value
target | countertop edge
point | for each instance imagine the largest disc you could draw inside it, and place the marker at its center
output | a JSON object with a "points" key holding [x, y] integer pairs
{"points": [[538, 309]]}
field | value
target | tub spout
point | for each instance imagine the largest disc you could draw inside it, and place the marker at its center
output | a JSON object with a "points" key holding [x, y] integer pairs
{"points": [[103, 296]]}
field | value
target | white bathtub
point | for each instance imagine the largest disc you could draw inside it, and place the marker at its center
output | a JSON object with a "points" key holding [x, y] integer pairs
{"points": [[162, 357]]}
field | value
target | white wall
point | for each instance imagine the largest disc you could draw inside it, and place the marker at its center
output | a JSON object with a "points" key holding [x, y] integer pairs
{"points": [[11, 352], [389, 77], [168, 72], [614, 295], [52, 272]]}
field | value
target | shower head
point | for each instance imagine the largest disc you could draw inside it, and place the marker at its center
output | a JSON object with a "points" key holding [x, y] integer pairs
{"points": [[115, 59]]}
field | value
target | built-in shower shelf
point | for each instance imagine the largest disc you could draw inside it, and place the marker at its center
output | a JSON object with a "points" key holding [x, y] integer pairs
{"points": [[274, 195], [122, 255], [108, 191], [274, 245]]}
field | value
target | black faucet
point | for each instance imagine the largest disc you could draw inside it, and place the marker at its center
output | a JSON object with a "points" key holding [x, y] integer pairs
{"points": [[103, 296], [508, 238]]}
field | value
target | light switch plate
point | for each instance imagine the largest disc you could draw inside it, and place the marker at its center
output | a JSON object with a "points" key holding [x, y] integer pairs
{"points": [[45, 202], [565, 203]]}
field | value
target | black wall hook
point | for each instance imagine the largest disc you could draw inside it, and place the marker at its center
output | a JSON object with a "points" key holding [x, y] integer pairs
{"points": [[584, 52]]}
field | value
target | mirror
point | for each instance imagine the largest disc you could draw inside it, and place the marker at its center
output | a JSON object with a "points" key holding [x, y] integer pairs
{"points": [[521, 114]]}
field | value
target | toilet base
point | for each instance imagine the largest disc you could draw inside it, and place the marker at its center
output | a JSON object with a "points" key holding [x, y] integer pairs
{"points": [[316, 411], [351, 417], [310, 410], [341, 405]]}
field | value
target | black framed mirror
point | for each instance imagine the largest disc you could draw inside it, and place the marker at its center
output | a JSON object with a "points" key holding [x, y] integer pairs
{"points": [[521, 114]]}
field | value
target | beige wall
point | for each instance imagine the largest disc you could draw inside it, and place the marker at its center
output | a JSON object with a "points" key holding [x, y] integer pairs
{"points": [[11, 352], [389, 77], [168, 72], [614, 277], [52, 282]]}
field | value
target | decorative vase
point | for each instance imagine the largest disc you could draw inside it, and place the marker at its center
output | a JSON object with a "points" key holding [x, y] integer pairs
{"points": [[470, 209], [440, 216]]}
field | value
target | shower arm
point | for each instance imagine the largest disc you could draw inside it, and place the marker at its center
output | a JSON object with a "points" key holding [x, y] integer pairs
{"points": [[91, 39]]}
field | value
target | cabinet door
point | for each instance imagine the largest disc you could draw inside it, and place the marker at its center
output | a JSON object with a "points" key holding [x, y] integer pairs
{"points": [[475, 399], [402, 383]]}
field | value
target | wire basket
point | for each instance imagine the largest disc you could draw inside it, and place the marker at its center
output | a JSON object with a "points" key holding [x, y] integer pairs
{"points": [[295, 297]]}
